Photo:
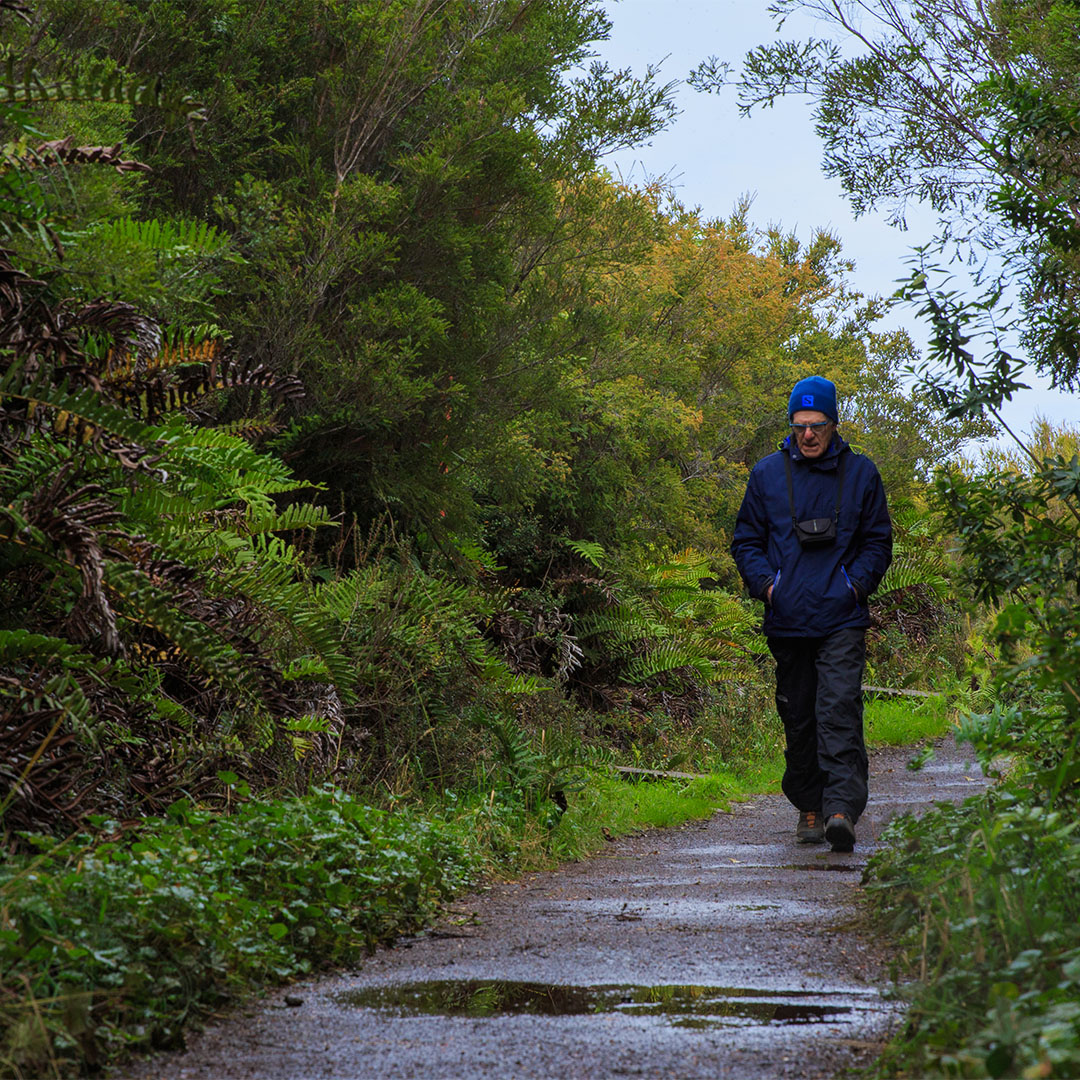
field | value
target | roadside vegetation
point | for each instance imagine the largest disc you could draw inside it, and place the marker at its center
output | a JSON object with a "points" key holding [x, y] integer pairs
{"points": [[368, 458]]}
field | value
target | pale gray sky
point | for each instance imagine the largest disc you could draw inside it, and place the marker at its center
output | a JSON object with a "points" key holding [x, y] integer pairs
{"points": [[712, 155]]}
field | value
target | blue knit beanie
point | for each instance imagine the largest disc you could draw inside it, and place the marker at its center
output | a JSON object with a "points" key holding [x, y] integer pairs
{"points": [[814, 393]]}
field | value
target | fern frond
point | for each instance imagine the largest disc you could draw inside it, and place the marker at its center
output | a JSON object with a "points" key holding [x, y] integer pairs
{"points": [[40, 648], [588, 550], [518, 755], [73, 414], [914, 567], [193, 236], [496, 671], [62, 152], [121, 364], [308, 668], [149, 607], [668, 656], [99, 85], [316, 725], [297, 516], [251, 431], [175, 385], [21, 652]]}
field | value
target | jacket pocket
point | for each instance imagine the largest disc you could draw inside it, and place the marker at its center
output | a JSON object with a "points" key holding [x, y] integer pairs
{"points": [[778, 608], [851, 588], [775, 590]]}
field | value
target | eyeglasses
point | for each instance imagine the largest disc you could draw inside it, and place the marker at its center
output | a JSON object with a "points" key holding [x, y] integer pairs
{"points": [[817, 427]]}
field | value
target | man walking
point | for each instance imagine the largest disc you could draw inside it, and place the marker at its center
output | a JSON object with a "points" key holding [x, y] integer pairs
{"points": [[813, 540]]}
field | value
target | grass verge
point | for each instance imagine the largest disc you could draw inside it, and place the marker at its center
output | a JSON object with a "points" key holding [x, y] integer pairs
{"points": [[617, 806], [905, 721]]}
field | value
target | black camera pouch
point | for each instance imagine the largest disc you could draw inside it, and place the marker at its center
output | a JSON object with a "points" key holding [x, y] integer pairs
{"points": [[816, 532]]}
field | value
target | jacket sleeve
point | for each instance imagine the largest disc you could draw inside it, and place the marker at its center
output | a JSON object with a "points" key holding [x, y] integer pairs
{"points": [[749, 541], [874, 551]]}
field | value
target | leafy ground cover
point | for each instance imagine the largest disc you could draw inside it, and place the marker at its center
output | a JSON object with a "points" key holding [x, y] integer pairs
{"points": [[991, 947], [982, 901], [119, 940]]}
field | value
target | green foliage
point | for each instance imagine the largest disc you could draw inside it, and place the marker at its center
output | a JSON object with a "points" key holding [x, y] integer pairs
{"points": [[917, 555], [540, 778], [150, 548], [386, 258], [117, 944], [178, 589], [996, 906], [904, 721], [417, 665], [968, 108], [28, 162], [993, 941], [1017, 534], [171, 268], [666, 628]]}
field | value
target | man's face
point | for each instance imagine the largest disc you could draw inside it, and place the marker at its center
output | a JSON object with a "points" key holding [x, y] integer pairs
{"points": [[812, 442]]}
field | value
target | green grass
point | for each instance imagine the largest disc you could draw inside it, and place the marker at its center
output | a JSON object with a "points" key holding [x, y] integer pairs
{"points": [[905, 721], [626, 805], [623, 805]]}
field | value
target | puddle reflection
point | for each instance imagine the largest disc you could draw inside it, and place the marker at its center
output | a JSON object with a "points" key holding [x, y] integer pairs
{"points": [[839, 867], [687, 1005]]}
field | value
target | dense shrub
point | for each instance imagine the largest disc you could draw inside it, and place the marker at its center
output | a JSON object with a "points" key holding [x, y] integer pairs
{"points": [[983, 901], [121, 941]]}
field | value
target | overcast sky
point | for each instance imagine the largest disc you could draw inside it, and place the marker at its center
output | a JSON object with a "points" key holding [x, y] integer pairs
{"points": [[713, 156]]}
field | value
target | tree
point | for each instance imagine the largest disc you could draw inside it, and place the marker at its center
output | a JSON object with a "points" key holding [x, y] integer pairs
{"points": [[393, 174], [968, 107]]}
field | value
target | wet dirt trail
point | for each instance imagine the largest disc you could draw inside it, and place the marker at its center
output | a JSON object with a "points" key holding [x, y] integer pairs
{"points": [[719, 949]]}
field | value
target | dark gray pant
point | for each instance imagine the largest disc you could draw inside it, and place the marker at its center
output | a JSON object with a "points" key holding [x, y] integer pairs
{"points": [[819, 699]]}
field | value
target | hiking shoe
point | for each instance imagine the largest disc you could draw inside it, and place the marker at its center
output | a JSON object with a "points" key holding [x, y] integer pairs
{"points": [[811, 827], [840, 832]]}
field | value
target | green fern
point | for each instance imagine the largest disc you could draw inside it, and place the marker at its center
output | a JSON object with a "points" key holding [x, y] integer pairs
{"points": [[535, 776], [166, 237], [664, 623], [667, 656], [914, 566], [588, 550], [918, 558], [99, 85]]}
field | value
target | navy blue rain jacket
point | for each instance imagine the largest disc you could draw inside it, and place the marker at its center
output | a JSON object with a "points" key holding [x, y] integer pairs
{"points": [[815, 590]]}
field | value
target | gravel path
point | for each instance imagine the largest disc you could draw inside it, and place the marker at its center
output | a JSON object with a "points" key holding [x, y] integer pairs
{"points": [[719, 949]]}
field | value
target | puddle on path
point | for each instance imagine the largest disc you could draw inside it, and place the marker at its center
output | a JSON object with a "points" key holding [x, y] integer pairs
{"points": [[689, 1006], [844, 868]]}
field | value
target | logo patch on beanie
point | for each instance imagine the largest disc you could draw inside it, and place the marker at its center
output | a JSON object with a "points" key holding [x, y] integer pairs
{"points": [[808, 401]]}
